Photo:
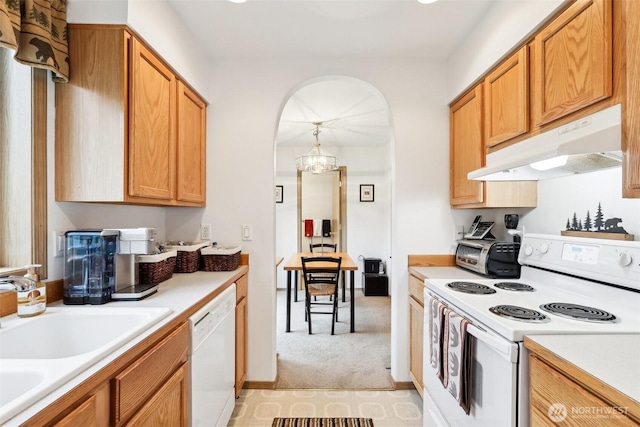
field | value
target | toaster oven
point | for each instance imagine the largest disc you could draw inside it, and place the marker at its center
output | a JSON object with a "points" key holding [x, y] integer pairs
{"points": [[493, 259]]}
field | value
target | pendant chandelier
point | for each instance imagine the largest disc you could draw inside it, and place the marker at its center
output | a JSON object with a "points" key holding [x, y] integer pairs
{"points": [[317, 160]]}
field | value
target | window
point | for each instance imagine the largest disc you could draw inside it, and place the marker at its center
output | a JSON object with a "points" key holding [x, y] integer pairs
{"points": [[23, 166]]}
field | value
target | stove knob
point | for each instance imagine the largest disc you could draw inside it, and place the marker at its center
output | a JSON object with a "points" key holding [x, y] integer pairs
{"points": [[544, 248], [624, 259], [528, 250]]}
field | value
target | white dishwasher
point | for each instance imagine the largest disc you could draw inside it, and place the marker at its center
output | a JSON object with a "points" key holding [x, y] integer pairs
{"points": [[212, 355]]}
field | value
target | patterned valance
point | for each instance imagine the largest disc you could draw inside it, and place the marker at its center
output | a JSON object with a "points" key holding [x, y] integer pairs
{"points": [[37, 31]]}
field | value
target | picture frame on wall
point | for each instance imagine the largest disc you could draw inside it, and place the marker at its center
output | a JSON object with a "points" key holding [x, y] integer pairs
{"points": [[279, 195], [367, 192]]}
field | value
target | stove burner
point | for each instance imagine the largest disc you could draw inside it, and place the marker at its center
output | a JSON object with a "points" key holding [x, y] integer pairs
{"points": [[519, 313], [514, 286], [471, 288], [578, 312]]}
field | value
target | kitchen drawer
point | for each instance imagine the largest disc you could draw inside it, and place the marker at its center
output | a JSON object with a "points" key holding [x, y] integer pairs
{"points": [[241, 288], [416, 289], [133, 386]]}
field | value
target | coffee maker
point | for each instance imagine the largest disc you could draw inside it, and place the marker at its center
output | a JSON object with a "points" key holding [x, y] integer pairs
{"points": [[133, 242], [100, 265], [90, 266]]}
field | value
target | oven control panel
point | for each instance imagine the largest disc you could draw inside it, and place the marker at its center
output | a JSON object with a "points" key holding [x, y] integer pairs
{"points": [[615, 262]]}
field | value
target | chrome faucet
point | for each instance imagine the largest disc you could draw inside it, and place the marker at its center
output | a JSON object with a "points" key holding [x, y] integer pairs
{"points": [[16, 283]]}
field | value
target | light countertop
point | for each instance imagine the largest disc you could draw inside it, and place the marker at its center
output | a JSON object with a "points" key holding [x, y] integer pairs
{"points": [[180, 294], [612, 359], [453, 273]]}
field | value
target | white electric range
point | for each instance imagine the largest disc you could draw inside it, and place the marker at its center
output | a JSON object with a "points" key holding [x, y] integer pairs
{"points": [[561, 277]]}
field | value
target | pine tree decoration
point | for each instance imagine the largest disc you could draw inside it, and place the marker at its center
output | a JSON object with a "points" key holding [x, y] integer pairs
{"points": [[610, 228]]}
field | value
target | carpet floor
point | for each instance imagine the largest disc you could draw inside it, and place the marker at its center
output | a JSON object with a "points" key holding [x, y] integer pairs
{"points": [[345, 361]]}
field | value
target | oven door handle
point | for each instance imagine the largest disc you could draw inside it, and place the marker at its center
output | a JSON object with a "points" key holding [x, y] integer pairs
{"points": [[506, 349]]}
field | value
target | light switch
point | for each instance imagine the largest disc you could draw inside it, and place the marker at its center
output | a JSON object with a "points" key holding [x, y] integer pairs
{"points": [[58, 239], [247, 232]]}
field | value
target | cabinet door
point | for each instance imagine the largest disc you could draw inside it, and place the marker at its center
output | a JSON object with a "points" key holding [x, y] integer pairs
{"points": [[152, 136], [506, 91], [135, 384], [191, 146], [169, 406], [466, 148], [574, 60], [416, 342], [93, 412], [575, 405], [241, 344]]}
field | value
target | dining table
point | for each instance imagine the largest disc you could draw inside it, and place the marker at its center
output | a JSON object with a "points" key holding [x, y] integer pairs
{"points": [[294, 264]]}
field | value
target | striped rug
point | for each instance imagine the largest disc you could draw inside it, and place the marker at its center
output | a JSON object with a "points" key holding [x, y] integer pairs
{"points": [[322, 422]]}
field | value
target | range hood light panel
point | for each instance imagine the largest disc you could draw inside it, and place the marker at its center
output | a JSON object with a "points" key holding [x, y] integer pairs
{"points": [[554, 162], [585, 145]]}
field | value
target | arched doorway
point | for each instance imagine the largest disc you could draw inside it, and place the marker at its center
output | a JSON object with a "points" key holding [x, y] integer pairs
{"points": [[357, 130]]}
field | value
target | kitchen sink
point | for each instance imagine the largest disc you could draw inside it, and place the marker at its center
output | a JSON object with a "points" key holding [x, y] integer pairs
{"points": [[67, 332], [17, 381], [39, 354]]}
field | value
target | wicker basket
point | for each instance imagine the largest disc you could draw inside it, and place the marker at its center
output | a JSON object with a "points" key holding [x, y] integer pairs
{"points": [[188, 259], [156, 268], [220, 258]]}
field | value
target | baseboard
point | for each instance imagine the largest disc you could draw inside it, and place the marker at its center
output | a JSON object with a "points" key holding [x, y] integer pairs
{"points": [[264, 385], [404, 385]]}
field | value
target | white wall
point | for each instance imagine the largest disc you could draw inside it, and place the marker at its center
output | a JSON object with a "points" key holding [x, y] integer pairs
{"points": [[246, 100], [505, 25], [558, 199]]}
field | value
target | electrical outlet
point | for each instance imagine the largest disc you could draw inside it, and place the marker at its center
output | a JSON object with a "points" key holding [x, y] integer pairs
{"points": [[205, 231]]}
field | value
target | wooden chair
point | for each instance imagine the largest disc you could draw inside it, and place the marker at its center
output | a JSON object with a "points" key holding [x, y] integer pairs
{"points": [[323, 247], [320, 276], [328, 247]]}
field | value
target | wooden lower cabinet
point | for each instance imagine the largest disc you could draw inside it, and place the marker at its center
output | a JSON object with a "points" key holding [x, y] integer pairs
{"points": [[562, 394], [92, 412], [556, 399], [157, 379], [241, 333], [416, 331], [168, 406]]}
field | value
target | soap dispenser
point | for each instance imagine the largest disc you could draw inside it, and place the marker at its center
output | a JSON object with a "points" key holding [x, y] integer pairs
{"points": [[32, 302]]}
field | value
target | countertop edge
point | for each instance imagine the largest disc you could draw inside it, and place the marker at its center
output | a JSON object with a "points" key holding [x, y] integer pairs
{"points": [[82, 385]]}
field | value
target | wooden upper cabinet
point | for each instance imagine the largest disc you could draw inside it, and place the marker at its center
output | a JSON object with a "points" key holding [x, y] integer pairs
{"points": [[191, 173], [506, 97], [573, 57], [467, 153], [128, 129], [152, 134], [466, 148]]}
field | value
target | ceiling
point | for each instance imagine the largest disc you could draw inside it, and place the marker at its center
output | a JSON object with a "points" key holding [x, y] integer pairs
{"points": [[353, 113], [299, 28]]}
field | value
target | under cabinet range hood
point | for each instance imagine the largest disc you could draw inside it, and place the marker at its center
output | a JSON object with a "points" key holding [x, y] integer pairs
{"points": [[585, 145]]}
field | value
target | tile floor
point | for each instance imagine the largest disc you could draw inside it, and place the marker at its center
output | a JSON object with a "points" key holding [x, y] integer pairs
{"points": [[257, 408]]}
